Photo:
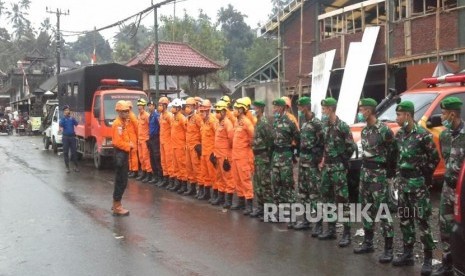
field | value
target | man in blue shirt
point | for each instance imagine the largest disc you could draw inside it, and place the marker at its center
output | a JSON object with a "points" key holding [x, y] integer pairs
{"points": [[153, 143], [67, 124]]}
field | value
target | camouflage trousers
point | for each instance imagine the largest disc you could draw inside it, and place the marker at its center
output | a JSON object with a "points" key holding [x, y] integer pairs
{"points": [[334, 187], [446, 215], [282, 177], [263, 191], [309, 184], [415, 205], [373, 190]]}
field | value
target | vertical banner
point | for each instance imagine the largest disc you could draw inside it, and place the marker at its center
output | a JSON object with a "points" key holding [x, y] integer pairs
{"points": [[321, 71]]}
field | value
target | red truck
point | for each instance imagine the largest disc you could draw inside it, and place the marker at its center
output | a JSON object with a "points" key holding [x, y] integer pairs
{"points": [[91, 93]]}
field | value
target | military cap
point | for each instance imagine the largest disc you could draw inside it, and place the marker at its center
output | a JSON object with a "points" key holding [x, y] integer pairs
{"points": [[329, 102], [367, 102], [65, 107], [451, 103], [405, 106], [304, 101], [259, 103], [151, 103], [279, 102]]}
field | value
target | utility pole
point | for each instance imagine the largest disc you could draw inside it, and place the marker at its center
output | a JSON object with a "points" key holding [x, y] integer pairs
{"points": [[58, 13]]}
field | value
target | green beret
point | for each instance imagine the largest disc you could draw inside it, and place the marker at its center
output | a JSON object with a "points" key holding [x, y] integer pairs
{"points": [[329, 102], [304, 101], [451, 103], [259, 103], [279, 102], [367, 102], [405, 106]]}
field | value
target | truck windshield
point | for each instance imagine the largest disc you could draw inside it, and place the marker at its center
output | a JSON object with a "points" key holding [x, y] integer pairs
{"points": [[422, 102], [109, 102]]}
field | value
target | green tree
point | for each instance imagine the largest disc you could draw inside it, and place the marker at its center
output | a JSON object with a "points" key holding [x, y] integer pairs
{"points": [[261, 51], [82, 49], [131, 40], [17, 17], [277, 6]]}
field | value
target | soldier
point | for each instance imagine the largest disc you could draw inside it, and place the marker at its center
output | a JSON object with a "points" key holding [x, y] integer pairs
{"points": [[284, 132], [142, 138], [377, 142], [339, 147], [178, 143], [132, 130], [418, 157], [154, 143], [452, 143], [311, 153], [166, 151], [262, 147], [194, 148]]}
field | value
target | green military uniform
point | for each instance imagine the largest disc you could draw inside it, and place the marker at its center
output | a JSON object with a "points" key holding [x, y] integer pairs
{"points": [[262, 145], [284, 132]]}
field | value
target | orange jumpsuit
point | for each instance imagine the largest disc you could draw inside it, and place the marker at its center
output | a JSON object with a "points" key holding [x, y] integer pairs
{"points": [[166, 151], [231, 117], [178, 143], [194, 123], [132, 128], [223, 143], [242, 168], [207, 170], [252, 118], [142, 138]]}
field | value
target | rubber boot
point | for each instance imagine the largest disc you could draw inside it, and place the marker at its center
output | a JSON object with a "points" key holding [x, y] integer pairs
{"points": [[257, 212], [154, 179], [330, 234], [227, 201], [206, 194], [219, 199], [317, 229], [161, 180], [141, 176], [200, 192], [248, 207], [367, 244], [346, 238], [406, 259], [176, 185], [427, 267], [183, 187], [387, 255], [118, 209], [147, 178], [190, 190], [240, 204], [214, 196], [304, 224], [165, 182], [171, 183], [446, 267]]}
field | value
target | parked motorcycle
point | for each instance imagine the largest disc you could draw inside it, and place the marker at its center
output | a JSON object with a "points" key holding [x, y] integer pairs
{"points": [[5, 126]]}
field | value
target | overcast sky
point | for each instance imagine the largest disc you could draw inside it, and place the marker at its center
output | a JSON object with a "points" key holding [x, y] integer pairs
{"points": [[87, 14]]}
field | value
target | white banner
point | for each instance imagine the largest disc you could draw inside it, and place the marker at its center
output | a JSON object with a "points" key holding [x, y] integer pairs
{"points": [[321, 71]]}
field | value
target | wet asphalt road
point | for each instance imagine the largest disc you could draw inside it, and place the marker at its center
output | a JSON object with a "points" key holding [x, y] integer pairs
{"points": [[54, 223]]}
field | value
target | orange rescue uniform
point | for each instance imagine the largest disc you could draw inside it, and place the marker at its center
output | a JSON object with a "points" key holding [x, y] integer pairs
{"points": [[207, 170], [120, 136], [166, 151], [194, 123], [142, 138], [223, 145], [132, 128], [178, 143]]}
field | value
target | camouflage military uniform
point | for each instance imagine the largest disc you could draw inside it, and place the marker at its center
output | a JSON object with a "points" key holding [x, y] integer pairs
{"points": [[262, 144], [311, 153], [339, 147], [377, 142], [284, 132], [417, 154], [453, 151]]}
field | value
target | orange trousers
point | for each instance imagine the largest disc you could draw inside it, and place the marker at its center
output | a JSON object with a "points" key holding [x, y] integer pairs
{"points": [[144, 156], [133, 160], [179, 164], [242, 174], [225, 179], [192, 166], [166, 156], [207, 171]]}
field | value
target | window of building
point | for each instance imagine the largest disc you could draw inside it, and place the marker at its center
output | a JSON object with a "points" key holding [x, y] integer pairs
{"points": [[411, 8]]}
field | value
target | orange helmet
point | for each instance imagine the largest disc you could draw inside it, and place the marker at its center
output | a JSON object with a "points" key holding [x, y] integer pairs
{"points": [[205, 105], [287, 100], [191, 101], [121, 106], [163, 100], [129, 103]]}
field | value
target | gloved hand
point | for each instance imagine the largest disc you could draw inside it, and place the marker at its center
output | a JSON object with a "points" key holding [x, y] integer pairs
{"points": [[226, 165], [198, 149], [213, 159]]}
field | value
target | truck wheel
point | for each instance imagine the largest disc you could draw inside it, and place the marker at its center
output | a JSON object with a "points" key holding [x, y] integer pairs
{"points": [[54, 145], [98, 159], [46, 142], [393, 194]]}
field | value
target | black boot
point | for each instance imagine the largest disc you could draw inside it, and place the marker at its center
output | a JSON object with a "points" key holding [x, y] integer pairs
{"points": [[219, 199], [240, 204], [386, 257], [131, 174], [214, 196], [367, 245], [165, 182], [304, 224], [176, 186], [446, 267], [427, 267], [406, 259], [330, 234], [200, 192], [257, 212], [317, 229], [345, 240], [190, 190], [206, 194], [227, 201], [141, 176], [183, 187], [161, 181], [154, 179], [248, 207], [147, 178]]}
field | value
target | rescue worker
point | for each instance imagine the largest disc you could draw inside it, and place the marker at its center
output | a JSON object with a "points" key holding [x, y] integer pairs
{"points": [[154, 143], [166, 151], [284, 133], [230, 114], [250, 116], [311, 152], [178, 143], [262, 149], [132, 130], [207, 161], [452, 144], [223, 146], [339, 147], [122, 145], [193, 145], [377, 143], [67, 124], [142, 138], [242, 154], [418, 157]]}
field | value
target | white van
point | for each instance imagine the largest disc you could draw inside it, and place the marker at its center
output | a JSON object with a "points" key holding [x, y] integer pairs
{"points": [[52, 134]]}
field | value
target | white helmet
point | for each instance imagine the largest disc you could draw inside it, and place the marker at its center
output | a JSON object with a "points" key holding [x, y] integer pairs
{"points": [[177, 103]]}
